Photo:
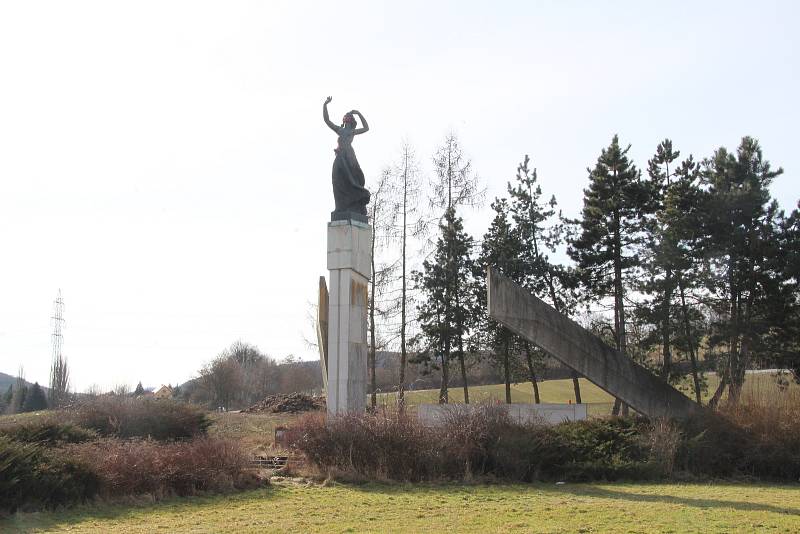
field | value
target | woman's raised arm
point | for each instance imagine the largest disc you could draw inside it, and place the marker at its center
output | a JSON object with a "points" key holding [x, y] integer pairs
{"points": [[326, 118], [365, 126]]}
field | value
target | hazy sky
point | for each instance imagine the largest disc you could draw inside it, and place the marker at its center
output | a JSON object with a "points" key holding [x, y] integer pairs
{"points": [[166, 166]]}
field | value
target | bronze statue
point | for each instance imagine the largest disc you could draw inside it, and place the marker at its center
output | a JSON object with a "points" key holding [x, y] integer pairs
{"points": [[349, 194]]}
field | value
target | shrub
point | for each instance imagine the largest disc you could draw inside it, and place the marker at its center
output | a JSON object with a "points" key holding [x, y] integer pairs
{"points": [[158, 419], [754, 439], [663, 440], [37, 477], [47, 432], [131, 467], [382, 446], [751, 439]]}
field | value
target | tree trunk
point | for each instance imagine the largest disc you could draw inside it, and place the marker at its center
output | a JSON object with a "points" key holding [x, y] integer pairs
{"points": [[665, 327], [443, 390], [690, 342], [619, 302], [371, 355], [532, 374], [576, 386], [464, 376], [401, 386], [714, 401], [507, 369]]}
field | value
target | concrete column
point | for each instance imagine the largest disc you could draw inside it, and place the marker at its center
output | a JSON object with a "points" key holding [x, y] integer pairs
{"points": [[349, 266]]}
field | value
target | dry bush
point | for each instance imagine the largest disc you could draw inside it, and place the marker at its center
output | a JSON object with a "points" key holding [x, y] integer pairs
{"points": [[387, 445], [771, 421], [481, 441], [663, 440], [133, 467], [126, 417], [470, 435]]}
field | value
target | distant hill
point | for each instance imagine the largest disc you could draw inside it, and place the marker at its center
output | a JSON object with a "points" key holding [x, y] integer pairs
{"points": [[8, 380]]}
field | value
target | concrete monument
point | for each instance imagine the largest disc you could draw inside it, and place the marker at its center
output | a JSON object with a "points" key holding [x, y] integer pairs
{"points": [[564, 339], [349, 262]]}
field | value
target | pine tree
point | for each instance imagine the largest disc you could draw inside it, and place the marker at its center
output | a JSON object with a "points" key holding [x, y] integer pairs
{"points": [[747, 275], [446, 312], [611, 231], [659, 262], [35, 400], [541, 231], [139, 391], [682, 213], [501, 249]]}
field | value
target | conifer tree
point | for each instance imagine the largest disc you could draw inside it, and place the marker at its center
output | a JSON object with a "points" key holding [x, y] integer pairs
{"points": [[659, 262], [139, 390], [747, 272], [611, 231], [447, 309], [35, 400], [681, 214], [540, 232], [501, 249]]}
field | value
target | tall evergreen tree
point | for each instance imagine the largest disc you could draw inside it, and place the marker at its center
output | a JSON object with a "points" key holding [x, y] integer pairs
{"points": [[611, 231], [682, 212], [139, 390], [501, 249], [35, 400], [746, 277], [541, 230], [446, 311], [660, 254]]}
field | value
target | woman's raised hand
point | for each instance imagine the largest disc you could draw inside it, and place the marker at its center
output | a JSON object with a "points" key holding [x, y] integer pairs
{"points": [[327, 100]]}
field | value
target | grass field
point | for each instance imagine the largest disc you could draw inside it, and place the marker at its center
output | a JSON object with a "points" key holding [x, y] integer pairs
{"points": [[291, 507], [560, 391]]}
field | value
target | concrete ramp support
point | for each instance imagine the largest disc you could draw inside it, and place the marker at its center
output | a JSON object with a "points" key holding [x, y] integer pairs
{"points": [[564, 339]]}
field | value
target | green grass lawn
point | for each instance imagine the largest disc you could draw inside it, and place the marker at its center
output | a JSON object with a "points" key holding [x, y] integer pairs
{"points": [[564, 508], [560, 391]]}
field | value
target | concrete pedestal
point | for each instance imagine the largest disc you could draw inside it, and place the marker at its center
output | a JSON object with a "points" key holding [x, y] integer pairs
{"points": [[349, 266]]}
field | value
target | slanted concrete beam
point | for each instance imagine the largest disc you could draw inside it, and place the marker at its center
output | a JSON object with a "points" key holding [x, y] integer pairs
{"points": [[525, 315]]}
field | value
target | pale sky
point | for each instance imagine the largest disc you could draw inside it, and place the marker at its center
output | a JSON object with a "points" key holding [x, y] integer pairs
{"points": [[166, 166]]}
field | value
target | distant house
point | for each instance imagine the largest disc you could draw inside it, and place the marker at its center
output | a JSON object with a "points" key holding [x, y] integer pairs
{"points": [[164, 392]]}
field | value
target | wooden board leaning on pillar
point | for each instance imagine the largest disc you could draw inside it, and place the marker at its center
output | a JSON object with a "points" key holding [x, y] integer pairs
{"points": [[322, 329]]}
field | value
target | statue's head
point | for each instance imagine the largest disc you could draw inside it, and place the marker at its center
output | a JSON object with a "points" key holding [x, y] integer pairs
{"points": [[348, 121]]}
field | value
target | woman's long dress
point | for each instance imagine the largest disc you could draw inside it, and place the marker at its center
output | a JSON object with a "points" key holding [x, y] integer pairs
{"points": [[349, 192]]}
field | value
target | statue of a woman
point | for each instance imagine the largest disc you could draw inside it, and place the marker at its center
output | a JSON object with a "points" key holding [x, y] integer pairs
{"points": [[349, 194]]}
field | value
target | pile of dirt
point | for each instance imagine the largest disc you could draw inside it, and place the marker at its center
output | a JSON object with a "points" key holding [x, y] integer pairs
{"points": [[292, 403]]}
